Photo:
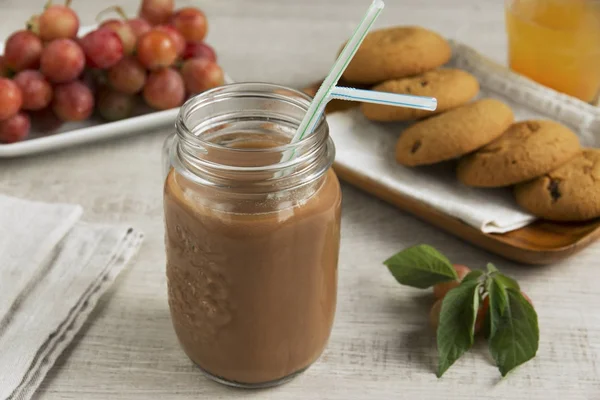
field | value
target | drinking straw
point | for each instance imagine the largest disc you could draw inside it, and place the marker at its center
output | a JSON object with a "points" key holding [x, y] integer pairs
{"points": [[317, 106], [328, 89], [390, 99]]}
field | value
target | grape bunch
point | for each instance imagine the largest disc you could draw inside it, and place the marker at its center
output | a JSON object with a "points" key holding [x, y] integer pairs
{"points": [[49, 75]]}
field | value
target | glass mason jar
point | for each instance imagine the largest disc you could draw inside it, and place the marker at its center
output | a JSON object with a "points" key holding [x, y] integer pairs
{"points": [[252, 242]]}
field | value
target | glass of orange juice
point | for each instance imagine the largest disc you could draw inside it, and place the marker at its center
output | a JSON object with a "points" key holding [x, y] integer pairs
{"points": [[556, 43]]}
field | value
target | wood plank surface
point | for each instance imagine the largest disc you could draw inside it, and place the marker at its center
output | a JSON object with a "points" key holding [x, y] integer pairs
{"points": [[381, 347]]}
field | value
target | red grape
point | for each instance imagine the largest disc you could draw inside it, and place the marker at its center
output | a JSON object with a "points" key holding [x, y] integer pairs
{"points": [[156, 49], [22, 51], [57, 22], [200, 74], [62, 61], [199, 50], [92, 78], [164, 89], [111, 24], [45, 121], [113, 106], [103, 48], [73, 101], [434, 314], [156, 12], [15, 129], [125, 32], [139, 26], [37, 92], [128, 76], [175, 37], [191, 23], [441, 289], [4, 70], [11, 98]]}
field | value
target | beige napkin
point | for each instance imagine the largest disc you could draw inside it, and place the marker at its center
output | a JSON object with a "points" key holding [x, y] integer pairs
{"points": [[53, 269], [368, 149]]}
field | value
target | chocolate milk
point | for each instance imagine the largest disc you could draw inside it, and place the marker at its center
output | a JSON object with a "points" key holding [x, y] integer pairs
{"points": [[252, 294]]}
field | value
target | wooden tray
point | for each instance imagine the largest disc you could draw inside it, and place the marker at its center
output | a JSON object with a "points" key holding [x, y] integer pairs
{"points": [[541, 242]]}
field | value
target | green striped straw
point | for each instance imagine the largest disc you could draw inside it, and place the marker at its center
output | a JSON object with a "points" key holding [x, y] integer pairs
{"points": [[323, 95]]}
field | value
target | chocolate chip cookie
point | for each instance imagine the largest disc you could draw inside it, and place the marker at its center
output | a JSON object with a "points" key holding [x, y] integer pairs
{"points": [[451, 87], [398, 52], [453, 133], [569, 193], [527, 150]]}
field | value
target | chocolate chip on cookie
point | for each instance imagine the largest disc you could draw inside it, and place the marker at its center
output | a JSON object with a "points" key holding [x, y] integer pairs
{"points": [[453, 133], [451, 87], [527, 150], [398, 52], [569, 193]]}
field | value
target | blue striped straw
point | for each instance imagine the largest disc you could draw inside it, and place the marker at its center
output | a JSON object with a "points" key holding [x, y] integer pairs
{"points": [[317, 106], [385, 98]]}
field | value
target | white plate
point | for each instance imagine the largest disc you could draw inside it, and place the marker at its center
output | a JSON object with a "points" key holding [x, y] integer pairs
{"points": [[74, 133]]}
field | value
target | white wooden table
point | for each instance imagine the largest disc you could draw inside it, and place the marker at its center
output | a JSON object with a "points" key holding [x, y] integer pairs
{"points": [[381, 346]]}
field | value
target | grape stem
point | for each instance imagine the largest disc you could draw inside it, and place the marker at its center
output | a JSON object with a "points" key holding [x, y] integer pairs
{"points": [[33, 25], [116, 9], [68, 3]]}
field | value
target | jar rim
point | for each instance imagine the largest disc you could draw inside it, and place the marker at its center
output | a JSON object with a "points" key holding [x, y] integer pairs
{"points": [[303, 100], [197, 155]]}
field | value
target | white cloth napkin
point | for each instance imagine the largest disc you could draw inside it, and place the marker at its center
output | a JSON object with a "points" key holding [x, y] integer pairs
{"points": [[367, 148], [53, 269]]}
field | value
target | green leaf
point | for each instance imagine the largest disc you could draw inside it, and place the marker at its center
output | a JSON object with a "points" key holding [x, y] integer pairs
{"points": [[496, 286], [507, 281], [491, 268], [421, 266], [516, 337], [498, 301], [473, 275], [455, 332], [486, 327]]}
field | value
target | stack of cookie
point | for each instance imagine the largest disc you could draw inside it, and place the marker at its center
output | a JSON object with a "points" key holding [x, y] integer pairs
{"points": [[553, 177]]}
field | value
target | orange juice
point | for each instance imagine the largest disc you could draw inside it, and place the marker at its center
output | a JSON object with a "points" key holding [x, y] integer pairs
{"points": [[556, 43]]}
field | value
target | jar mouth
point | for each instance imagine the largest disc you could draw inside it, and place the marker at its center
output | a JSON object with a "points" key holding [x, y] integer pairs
{"points": [[247, 89], [239, 135]]}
